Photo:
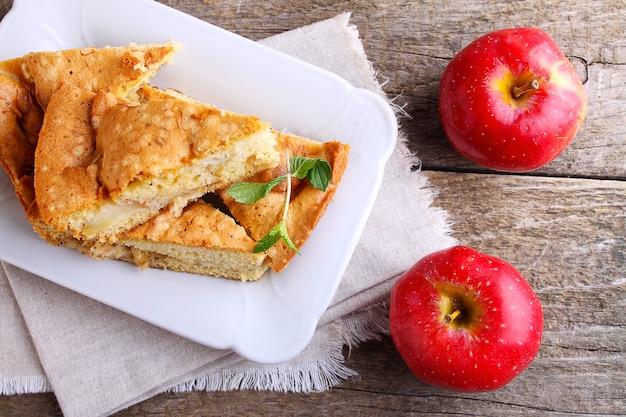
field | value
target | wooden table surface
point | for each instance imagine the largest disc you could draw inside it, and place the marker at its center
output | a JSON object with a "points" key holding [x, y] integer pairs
{"points": [[562, 226]]}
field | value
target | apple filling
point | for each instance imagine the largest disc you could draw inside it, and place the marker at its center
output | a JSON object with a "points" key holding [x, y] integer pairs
{"points": [[110, 214]]}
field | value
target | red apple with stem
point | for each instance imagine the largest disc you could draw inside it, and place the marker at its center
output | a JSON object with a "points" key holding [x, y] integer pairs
{"points": [[511, 100], [464, 320]]}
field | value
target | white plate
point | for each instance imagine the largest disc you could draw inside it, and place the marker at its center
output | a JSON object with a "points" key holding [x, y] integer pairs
{"points": [[271, 320]]}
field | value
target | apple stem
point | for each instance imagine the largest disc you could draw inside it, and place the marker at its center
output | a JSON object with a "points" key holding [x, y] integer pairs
{"points": [[450, 317], [532, 85]]}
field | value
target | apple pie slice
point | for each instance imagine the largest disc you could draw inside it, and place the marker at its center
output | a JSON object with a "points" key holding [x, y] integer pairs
{"points": [[307, 205], [20, 121], [200, 240], [120, 70], [104, 165]]}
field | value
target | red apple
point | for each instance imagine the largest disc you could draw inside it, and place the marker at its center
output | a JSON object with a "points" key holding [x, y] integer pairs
{"points": [[511, 101], [464, 320]]}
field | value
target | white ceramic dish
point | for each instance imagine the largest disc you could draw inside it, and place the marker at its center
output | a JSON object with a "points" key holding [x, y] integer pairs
{"points": [[271, 320]]}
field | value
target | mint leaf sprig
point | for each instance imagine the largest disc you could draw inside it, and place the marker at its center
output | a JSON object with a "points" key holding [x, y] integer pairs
{"points": [[316, 171]]}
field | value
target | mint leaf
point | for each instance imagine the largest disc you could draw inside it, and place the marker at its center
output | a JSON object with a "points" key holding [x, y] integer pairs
{"points": [[278, 232], [268, 240], [317, 171], [251, 192], [300, 166], [286, 238], [320, 175]]}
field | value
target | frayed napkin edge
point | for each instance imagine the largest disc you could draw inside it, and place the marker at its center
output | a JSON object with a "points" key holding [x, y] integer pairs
{"points": [[24, 385], [365, 325]]}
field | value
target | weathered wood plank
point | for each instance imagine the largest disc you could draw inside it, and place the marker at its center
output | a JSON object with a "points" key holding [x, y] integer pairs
{"points": [[560, 233]]}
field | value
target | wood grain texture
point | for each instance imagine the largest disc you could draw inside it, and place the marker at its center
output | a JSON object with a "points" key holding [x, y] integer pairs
{"points": [[562, 226]]}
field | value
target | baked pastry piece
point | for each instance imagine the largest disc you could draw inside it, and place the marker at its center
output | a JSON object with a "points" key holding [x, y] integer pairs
{"points": [[307, 204], [200, 240], [118, 70], [20, 121], [29, 80], [105, 165], [177, 143]]}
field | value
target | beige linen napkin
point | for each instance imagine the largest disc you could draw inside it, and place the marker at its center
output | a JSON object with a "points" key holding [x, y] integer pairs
{"points": [[98, 360]]}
